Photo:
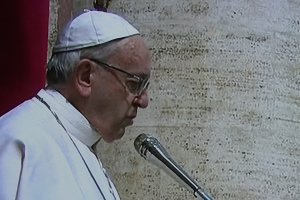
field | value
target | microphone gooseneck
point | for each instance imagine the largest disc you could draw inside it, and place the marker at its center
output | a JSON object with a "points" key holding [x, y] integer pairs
{"points": [[151, 150]]}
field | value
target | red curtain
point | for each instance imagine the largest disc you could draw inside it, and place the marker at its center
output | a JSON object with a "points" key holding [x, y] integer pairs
{"points": [[24, 35]]}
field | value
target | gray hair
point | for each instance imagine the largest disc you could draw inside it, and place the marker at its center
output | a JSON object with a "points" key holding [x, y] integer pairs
{"points": [[62, 65]]}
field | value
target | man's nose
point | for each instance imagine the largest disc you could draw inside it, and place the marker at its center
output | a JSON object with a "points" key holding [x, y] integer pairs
{"points": [[142, 100]]}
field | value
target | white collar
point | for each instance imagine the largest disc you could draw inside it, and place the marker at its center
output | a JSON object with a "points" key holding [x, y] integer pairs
{"points": [[75, 123]]}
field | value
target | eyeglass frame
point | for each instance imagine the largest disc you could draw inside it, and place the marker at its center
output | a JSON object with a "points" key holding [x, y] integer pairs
{"points": [[141, 81]]}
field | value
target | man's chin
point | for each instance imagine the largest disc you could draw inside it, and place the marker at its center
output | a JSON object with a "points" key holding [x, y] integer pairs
{"points": [[115, 136], [120, 134]]}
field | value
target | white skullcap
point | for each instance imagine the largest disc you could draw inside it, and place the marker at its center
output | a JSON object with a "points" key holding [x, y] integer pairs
{"points": [[92, 28]]}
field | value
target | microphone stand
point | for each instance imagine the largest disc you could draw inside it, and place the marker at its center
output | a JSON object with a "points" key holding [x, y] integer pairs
{"points": [[150, 149]]}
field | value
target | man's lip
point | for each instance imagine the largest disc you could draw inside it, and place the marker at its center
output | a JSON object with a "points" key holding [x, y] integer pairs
{"points": [[132, 117]]}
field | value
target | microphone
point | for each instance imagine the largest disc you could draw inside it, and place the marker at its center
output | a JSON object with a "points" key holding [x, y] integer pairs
{"points": [[151, 150]]}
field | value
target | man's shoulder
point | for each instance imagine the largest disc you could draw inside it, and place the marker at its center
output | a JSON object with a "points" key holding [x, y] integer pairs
{"points": [[27, 121]]}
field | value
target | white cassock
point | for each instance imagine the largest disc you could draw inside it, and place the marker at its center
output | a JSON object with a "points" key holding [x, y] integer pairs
{"points": [[39, 160]]}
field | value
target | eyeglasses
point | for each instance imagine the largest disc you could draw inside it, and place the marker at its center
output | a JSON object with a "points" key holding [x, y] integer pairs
{"points": [[136, 85]]}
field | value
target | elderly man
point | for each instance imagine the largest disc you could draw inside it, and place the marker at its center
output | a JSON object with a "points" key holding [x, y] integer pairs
{"points": [[97, 78]]}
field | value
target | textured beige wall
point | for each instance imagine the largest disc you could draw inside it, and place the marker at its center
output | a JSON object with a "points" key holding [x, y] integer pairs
{"points": [[224, 99], [53, 18]]}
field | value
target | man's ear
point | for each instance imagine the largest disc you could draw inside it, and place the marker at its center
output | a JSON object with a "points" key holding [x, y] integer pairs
{"points": [[82, 77]]}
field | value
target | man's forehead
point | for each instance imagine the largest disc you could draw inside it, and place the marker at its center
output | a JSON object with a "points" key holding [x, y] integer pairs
{"points": [[133, 52], [133, 43], [144, 75]]}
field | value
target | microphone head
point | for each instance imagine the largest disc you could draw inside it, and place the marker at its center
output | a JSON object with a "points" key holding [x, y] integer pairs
{"points": [[145, 145], [138, 142]]}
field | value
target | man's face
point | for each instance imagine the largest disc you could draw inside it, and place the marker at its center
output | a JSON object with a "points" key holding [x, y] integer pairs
{"points": [[114, 102]]}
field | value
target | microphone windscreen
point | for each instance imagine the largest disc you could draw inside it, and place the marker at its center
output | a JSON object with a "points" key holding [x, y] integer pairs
{"points": [[139, 141]]}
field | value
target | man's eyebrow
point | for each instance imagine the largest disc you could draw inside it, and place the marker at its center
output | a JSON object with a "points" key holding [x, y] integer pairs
{"points": [[142, 75]]}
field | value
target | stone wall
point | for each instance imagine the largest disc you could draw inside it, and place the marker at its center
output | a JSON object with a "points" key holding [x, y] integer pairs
{"points": [[224, 99]]}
